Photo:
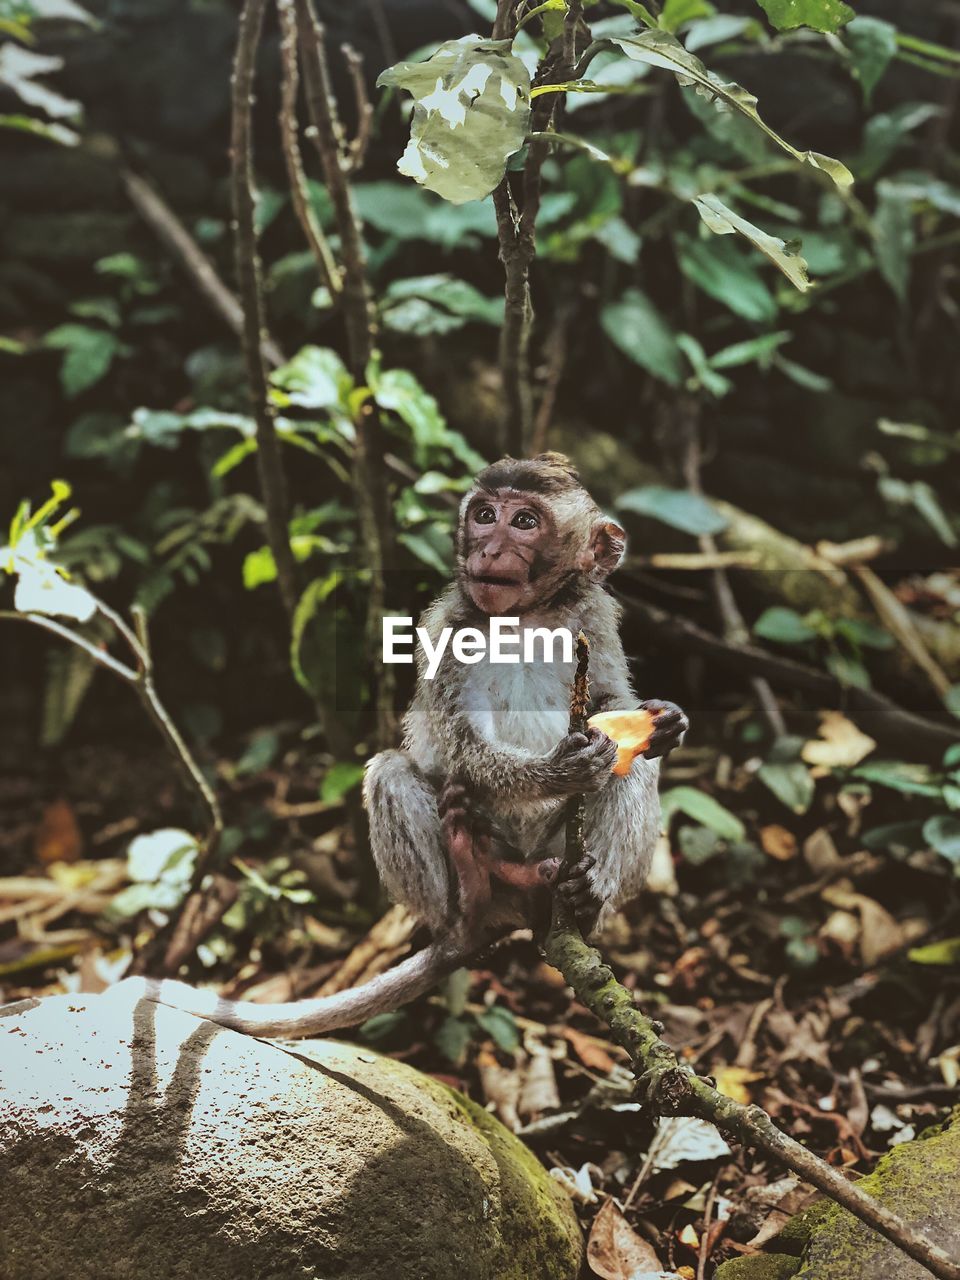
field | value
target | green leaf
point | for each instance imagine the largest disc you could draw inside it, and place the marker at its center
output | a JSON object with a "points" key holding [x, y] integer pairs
{"points": [[259, 755], [711, 381], [316, 378], [382, 1025], [453, 1038], [821, 15], [660, 49], [946, 952], [471, 113], [924, 188], [636, 326], [900, 838], [790, 782], [500, 1024], [951, 700], [58, 133], [431, 545], [725, 26], [412, 213], [899, 775], [723, 221], [894, 238], [783, 626], [698, 844], [884, 133], [943, 834], [259, 567], [437, 304], [864, 634], [676, 12], [725, 273], [753, 349], [340, 779], [847, 669], [873, 44], [308, 607], [638, 11], [702, 808], [678, 508], [89, 354]]}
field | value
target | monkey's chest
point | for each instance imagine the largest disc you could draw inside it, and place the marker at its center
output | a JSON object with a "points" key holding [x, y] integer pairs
{"points": [[524, 706]]}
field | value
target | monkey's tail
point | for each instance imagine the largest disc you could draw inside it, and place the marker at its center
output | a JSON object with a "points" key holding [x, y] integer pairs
{"points": [[407, 980]]}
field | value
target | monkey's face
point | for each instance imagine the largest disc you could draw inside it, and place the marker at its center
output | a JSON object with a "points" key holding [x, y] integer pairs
{"points": [[506, 562]]}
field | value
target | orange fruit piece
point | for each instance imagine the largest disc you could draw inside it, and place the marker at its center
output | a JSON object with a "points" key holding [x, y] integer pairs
{"points": [[630, 730]]}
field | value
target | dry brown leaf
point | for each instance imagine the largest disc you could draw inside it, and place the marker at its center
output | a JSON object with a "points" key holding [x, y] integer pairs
{"points": [[539, 1093], [778, 842], [614, 1250], [689, 1237], [820, 853], [841, 744], [880, 934], [57, 837], [591, 1051], [732, 1082], [501, 1086]]}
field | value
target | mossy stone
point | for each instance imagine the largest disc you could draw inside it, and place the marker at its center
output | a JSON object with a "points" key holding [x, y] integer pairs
{"points": [[758, 1266], [139, 1143]]}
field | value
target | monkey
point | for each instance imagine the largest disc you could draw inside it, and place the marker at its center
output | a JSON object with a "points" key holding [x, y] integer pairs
{"points": [[466, 818]]}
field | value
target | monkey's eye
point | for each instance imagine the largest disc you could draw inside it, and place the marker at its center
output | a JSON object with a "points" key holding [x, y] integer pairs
{"points": [[525, 520], [485, 515]]}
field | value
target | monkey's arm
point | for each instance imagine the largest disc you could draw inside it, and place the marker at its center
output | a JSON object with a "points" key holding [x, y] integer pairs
{"points": [[407, 980]]}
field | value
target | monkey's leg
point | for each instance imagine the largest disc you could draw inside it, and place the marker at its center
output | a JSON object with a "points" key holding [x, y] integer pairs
{"points": [[621, 826], [468, 847], [406, 837]]}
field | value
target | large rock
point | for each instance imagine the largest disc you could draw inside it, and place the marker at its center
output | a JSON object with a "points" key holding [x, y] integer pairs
{"points": [[919, 1180], [139, 1143]]}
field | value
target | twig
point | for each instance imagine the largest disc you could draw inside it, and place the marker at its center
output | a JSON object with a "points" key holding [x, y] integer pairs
{"points": [[357, 150], [734, 628], [141, 681], [369, 476], [705, 1234], [289, 129], [672, 1088], [574, 848], [877, 714], [161, 219], [269, 465], [556, 359]]}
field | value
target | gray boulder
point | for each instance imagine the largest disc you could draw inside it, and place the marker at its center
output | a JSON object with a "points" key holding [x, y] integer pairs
{"points": [[140, 1143]]}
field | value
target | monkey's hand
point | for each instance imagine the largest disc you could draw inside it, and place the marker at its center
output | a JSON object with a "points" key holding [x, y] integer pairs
{"points": [[669, 726], [578, 895], [581, 762]]}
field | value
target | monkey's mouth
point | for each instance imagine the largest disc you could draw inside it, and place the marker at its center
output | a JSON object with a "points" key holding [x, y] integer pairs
{"points": [[494, 580]]}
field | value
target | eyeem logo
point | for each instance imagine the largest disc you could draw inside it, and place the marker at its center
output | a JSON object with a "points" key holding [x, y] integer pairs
{"points": [[470, 644]]}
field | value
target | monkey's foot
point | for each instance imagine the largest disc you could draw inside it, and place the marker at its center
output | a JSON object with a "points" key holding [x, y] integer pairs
{"points": [[577, 894], [526, 875], [468, 851]]}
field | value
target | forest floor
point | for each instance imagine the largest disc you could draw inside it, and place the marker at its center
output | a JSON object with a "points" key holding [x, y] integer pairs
{"points": [[779, 963]]}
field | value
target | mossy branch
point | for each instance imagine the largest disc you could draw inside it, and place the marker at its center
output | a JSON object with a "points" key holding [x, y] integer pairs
{"points": [[669, 1087]]}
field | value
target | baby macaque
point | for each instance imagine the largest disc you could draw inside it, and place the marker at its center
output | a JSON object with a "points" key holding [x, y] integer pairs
{"points": [[467, 819]]}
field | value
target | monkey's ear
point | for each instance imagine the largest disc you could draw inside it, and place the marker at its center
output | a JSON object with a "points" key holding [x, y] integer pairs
{"points": [[608, 543]]}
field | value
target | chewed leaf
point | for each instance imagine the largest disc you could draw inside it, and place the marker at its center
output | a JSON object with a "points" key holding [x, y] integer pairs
{"points": [[660, 49], [472, 109], [723, 221]]}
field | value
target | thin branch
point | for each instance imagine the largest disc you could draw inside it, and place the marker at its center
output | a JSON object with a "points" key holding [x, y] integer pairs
{"points": [[672, 1088], [357, 150], [269, 464], [141, 681], [369, 474], [99, 656], [168, 228], [289, 134], [574, 847], [876, 714], [734, 628]]}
